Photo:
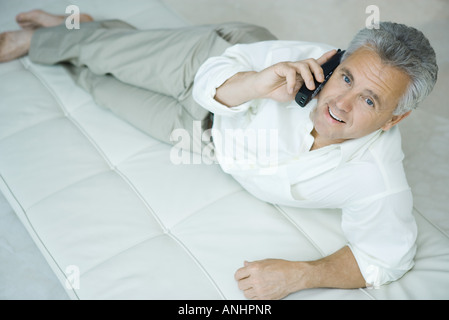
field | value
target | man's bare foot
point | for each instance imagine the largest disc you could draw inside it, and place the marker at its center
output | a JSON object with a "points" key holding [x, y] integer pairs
{"points": [[14, 44], [35, 19]]}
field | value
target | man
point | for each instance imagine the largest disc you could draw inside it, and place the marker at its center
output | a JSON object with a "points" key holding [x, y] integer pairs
{"points": [[342, 150]]}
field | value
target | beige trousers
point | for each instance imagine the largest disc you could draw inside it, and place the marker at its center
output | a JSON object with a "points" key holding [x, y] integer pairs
{"points": [[143, 76]]}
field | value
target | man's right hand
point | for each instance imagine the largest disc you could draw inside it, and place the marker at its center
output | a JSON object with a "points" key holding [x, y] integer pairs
{"points": [[279, 82]]}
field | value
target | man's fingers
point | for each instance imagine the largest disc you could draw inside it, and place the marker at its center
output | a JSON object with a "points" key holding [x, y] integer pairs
{"points": [[245, 284], [242, 273], [308, 71], [250, 294], [326, 56], [311, 70], [290, 77]]}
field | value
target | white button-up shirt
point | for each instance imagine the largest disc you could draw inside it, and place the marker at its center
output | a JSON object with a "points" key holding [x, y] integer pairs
{"points": [[265, 145]]}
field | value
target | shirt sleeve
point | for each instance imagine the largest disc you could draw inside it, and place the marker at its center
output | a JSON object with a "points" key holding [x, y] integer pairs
{"points": [[382, 234]]}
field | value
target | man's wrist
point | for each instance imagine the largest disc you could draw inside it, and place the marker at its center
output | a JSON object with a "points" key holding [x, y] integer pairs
{"points": [[301, 276], [309, 275], [339, 270], [237, 90]]}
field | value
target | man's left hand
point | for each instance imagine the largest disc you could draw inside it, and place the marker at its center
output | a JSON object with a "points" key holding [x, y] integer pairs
{"points": [[269, 279]]}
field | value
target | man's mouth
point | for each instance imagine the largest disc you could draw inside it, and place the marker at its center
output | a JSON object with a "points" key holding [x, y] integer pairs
{"points": [[333, 116]]}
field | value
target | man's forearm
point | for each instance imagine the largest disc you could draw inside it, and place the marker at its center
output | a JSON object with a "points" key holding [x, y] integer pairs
{"points": [[236, 90], [339, 270]]}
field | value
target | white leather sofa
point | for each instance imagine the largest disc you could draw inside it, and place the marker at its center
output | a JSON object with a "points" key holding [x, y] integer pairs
{"points": [[116, 219]]}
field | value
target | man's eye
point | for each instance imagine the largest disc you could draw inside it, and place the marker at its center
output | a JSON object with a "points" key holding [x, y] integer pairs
{"points": [[369, 102], [346, 79]]}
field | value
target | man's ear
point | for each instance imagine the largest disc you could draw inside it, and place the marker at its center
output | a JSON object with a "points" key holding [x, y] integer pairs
{"points": [[395, 120]]}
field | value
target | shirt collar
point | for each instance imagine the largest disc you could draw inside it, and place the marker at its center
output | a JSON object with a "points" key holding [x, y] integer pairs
{"points": [[351, 148]]}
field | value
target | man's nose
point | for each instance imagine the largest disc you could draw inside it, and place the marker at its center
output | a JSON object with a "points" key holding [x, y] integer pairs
{"points": [[345, 102]]}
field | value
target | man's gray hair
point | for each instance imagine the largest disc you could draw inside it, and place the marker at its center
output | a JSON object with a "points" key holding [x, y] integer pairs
{"points": [[405, 48]]}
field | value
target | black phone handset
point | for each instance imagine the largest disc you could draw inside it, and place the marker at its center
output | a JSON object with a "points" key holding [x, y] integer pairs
{"points": [[304, 95]]}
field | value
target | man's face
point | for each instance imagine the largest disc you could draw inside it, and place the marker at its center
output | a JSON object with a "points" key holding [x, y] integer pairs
{"points": [[358, 99]]}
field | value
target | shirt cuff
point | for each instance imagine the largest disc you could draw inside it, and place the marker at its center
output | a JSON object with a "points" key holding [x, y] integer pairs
{"points": [[373, 271]]}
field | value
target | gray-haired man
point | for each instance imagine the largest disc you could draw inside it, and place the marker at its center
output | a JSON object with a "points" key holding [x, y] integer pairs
{"points": [[343, 150]]}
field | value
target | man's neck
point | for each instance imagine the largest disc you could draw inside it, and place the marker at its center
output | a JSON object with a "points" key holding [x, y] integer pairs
{"points": [[319, 143]]}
